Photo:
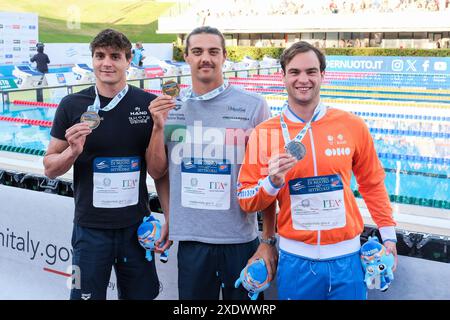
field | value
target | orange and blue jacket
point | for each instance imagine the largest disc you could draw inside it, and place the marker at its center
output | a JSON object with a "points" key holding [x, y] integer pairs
{"points": [[338, 143]]}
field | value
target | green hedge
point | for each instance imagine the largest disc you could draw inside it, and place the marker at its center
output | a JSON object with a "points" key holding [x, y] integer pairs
{"points": [[237, 53]]}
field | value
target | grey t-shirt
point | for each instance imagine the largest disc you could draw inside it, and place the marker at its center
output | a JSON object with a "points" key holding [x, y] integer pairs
{"points": [[206, 145]]}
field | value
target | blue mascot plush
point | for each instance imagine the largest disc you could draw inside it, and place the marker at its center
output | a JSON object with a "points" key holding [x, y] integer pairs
{"points": [[148, 233], [377, 265], [254, 278]]}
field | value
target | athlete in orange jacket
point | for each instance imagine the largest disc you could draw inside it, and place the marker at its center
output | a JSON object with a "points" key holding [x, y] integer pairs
{"points": [[319, 222]]}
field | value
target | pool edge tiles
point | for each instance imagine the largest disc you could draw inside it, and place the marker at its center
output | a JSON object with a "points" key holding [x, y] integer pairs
{"points": [[414, 218], [25, 163]]}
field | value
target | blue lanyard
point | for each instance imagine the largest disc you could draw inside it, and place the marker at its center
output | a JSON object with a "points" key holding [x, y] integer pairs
{"points": [[111, 105], [299, 137], [189, 95]]}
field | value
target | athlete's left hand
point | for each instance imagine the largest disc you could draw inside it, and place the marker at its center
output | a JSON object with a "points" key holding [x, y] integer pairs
{"points": [[163, 239], [391, 247], [270, 255]]}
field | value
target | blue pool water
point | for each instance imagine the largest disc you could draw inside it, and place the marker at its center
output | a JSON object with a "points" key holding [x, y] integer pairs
{"points": [[24, 135], [32, 113], [27, 136]]}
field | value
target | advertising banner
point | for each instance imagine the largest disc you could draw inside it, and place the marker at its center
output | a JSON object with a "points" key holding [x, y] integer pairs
{"points": [[404, 65], [6, 84], [18, 37], [35, 248]]}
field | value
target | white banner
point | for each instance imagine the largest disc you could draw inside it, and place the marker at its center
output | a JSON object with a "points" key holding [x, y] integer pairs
{"points": [[36, 254], [35, 248]]}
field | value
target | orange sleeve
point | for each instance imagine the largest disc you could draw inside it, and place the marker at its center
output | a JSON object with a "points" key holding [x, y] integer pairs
{"points": [[370, 176], [255, 192]]}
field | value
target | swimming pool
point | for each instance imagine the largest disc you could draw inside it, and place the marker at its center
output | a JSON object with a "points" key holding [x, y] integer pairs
{"points": [[411, 133]]}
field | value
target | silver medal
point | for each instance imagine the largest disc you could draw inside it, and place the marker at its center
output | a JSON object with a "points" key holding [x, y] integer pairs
{"points": [[296, 149], [91, 118]]}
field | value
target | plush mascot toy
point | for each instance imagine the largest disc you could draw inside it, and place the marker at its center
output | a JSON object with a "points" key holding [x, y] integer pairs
{"points": [[254, 278], [148, 233], [377, 265]]}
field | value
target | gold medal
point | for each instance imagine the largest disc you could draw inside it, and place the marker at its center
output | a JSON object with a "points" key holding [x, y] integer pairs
{"points": [[91, 118], [171, 88]]}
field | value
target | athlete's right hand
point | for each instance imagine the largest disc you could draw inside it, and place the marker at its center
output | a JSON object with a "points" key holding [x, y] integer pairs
{"points": [[159, 109], [76, 137], [279, 165]]}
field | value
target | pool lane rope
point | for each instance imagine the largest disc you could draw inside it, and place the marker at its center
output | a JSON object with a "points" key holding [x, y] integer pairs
{"points": [[33, 122], [35, 103]]}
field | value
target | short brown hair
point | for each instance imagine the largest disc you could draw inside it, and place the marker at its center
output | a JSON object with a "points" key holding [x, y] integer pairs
{"points": [[207, 30], [111, 38], [301, 47]]}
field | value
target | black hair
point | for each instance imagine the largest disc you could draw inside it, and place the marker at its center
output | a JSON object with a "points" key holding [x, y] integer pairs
{"points": [[111, 38], [208, 30]]}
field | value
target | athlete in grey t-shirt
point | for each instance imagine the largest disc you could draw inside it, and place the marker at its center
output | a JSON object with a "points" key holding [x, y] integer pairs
{"points": [[202, 144]]}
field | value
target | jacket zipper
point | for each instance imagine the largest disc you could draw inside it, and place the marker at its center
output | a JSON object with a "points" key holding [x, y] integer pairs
{"points": [[313, 150]]}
